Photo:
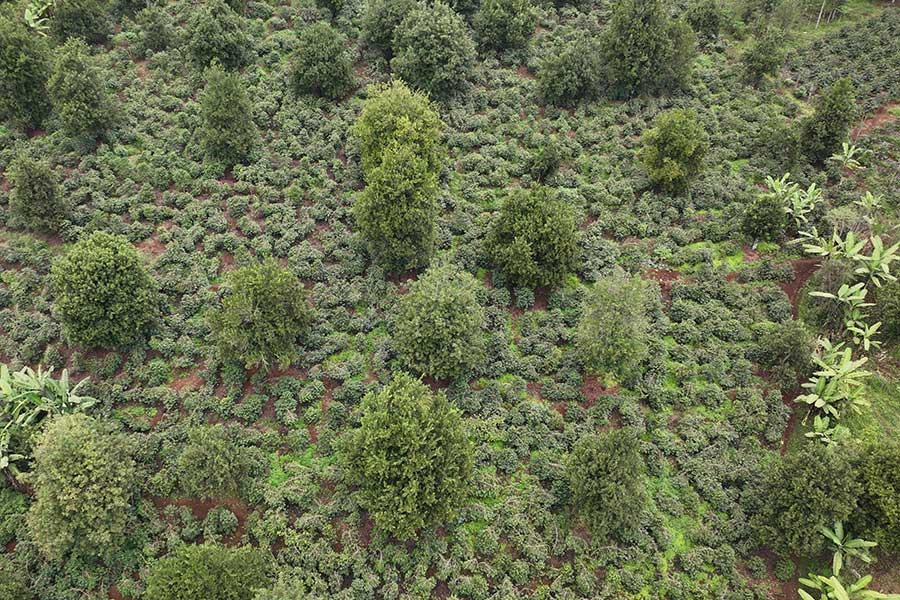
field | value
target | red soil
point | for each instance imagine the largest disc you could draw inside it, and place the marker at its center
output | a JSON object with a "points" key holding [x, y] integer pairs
{"points": [[664, 278], [803, 270], [592, 388], [881, 117]]}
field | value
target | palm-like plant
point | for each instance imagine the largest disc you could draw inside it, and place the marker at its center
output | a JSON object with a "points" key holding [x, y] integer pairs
{"points": [[827, 433], [845, 546], [838, 383], [834, 247], [878, 264], [27, 398], [853, 297], [36, 16], [831, 588], [846, 158]]}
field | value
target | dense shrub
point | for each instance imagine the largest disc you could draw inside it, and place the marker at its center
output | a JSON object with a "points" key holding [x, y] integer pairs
{"points": [[211, 465], [394, 113], [779, 142], [674, 149], [439, 324], [83, 480], [534, 239], [216, 32], [321, 62], [887, 300], [409, 457], [86, 19], [105, 296], [606, 476], [24, 70], [208, 572], [645, 51], [396, 211], [571, 73], [35, 201], [501, 24], [263, 317], [878, 515], [764, 56], [546, 159], [611, 338], [764, 218], [785, 350], [434, 51], [802, 492], [228, 132], [822, 133], [380, 21], [706, 18], [156, 30], [13, 585], [76, 92]]}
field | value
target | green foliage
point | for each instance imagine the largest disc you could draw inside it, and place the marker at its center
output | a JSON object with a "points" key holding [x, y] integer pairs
{"points": [[35, 201], [263, 317], [24, 70], [784, 350], [822, 133], [888, 307], [83, 480], [217, 33], [612, 334], [764, 56], [27, 399], [434, 51], [211, 465], [606, 476], [501, 24], [674, 149], [380, 21], [394, 113], [321, 63], [76, 91], [396, 211], [534, 239], [546, 159], [764, 218], [706, 18], [570, 73], [208, 572], [13, 585], [801, 493], [878, 514], [105, 296], [645, 51], [156, 29], [228, 132], [86, 19], [439, 324], [410, 457]]}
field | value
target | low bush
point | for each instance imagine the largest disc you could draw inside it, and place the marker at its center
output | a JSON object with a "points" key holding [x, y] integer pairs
{"points": [[878, 515]]}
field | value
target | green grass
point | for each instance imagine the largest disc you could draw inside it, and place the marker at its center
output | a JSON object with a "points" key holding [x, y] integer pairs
{"points": [[277, 462], [882, 419]]}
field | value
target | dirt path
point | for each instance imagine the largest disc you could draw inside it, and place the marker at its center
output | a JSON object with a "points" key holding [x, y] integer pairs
{"points": [[881, 117]]}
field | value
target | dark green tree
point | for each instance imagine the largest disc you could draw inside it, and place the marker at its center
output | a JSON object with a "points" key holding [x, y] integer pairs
{"points": [[263, 317], [13, 584], [77, 93], [439, 324], [228, 133], [673, 149], [785, 350], [24, 70], [570, 73], [395, 113], [410, 457], [211, 465], [156, 30], [878, 514], [104, 295], [321, 64], [380, 21], [612, 333], [208, 572], [765, 219], [217, 33], [396, 211], [887, 305], [35, 201], [434, 51], [534, 239], [764, 56], [501, 24], [606, 476], [802, 492], [706, 18], [89, 20], [822, 133], [645, 51], [84, 479]]}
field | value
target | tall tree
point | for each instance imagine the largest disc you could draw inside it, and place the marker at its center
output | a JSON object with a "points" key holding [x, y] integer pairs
{"points": [[77, 92], [24, 70], [228, 132], [822, 132]]}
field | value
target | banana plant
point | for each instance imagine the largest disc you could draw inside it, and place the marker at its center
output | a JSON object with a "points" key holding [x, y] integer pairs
{"points": [[826, 433], [845, 546], [846, 157], [878, 264], [870, 203], [835, 247], [838, 383], [853, 300], [831, 588], [36, 16]]}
